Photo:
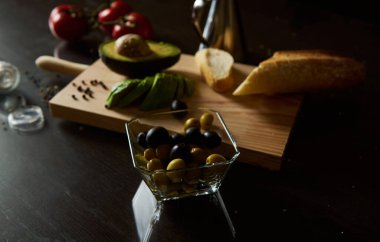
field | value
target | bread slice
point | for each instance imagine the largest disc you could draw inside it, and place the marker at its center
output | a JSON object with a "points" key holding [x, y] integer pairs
{"points": [[216, 67], [302, 71]]}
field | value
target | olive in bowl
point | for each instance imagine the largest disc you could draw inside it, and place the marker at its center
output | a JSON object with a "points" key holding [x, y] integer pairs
{"points": [[188, 167]]}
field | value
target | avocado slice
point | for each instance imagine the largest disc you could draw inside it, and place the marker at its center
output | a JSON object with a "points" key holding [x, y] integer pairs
{"points": [[161, 93], [163, 56], [180, 88], [119, 91], [142, 87]]}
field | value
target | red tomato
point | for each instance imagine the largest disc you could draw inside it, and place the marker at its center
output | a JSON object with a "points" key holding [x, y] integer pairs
{"points": [[105, 16], [136, 24], [123, 7], [68, 22], [117, 10]]}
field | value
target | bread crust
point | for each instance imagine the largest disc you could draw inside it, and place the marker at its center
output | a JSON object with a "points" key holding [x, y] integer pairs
{"points": [[301, 71]]}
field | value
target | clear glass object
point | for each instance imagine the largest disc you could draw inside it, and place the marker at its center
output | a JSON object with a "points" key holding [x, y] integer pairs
{"points": [[203, 179], [20, 117], [26, 119], [9, 77], [11, 102]]}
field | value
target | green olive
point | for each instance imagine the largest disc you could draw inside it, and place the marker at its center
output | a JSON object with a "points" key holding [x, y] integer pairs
{"points": [[176, 176], [188, 188], [163, 151], [215, 158], [198, 155], [154, 164], [216, 171], [149, 154], [141, 160], [161, 180], [192, 175], [176, 164], [173, 189], [206, 121], [192, 122]]}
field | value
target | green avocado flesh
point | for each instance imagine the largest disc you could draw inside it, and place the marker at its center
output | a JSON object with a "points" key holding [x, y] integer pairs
{"points": [[152, 92], [164, 56]]}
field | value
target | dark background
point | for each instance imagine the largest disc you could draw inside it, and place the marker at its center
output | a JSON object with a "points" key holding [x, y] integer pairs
{"points": [[71, 182]]}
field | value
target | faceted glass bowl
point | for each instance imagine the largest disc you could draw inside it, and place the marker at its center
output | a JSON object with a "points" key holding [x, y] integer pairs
{"points": [[193, 180]]}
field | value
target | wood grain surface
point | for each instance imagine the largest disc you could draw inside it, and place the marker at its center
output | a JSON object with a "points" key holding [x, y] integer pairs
{"points": [[259, 124]]}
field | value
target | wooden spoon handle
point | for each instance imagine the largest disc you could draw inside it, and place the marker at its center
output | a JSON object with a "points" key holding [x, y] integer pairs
{"points": [[53, 64]]}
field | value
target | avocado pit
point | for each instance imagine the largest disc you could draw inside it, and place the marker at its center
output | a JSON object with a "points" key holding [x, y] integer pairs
{"points": [[132, 45]]}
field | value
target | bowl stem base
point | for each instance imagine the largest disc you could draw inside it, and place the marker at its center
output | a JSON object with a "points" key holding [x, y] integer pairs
{"points": [[204, 215]]}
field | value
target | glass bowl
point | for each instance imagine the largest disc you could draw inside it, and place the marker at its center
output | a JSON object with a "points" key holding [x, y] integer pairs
{"points": [[199, 173]]}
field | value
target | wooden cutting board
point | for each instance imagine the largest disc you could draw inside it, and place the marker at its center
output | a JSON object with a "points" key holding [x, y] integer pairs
{"points": [[259, 124]]}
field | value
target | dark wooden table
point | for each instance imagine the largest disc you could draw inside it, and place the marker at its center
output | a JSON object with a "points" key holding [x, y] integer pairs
{"points": [[71, 182]]}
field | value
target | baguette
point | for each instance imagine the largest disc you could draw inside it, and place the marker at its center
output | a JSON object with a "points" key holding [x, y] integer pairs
{"points": [[302, 71], [216, 68]]}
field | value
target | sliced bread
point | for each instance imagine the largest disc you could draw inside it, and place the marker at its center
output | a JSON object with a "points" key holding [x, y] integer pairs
{"points": [[216, 68], [302, 71]]}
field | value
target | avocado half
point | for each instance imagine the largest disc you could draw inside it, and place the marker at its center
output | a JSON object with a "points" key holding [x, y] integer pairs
{"points": [[163, 56]]}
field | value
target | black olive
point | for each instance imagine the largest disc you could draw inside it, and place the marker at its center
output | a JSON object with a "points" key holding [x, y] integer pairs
{"points": [[177, 138], [211, 139], [156, 136], [141, 139], [178, 105], [181, 151], [193, 135]]}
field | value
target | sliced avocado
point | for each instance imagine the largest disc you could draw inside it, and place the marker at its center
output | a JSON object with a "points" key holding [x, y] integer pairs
{"points": [[162, 92], [142, 87], [189, 86], [163, 56], [119, 91], [180, 88]]}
